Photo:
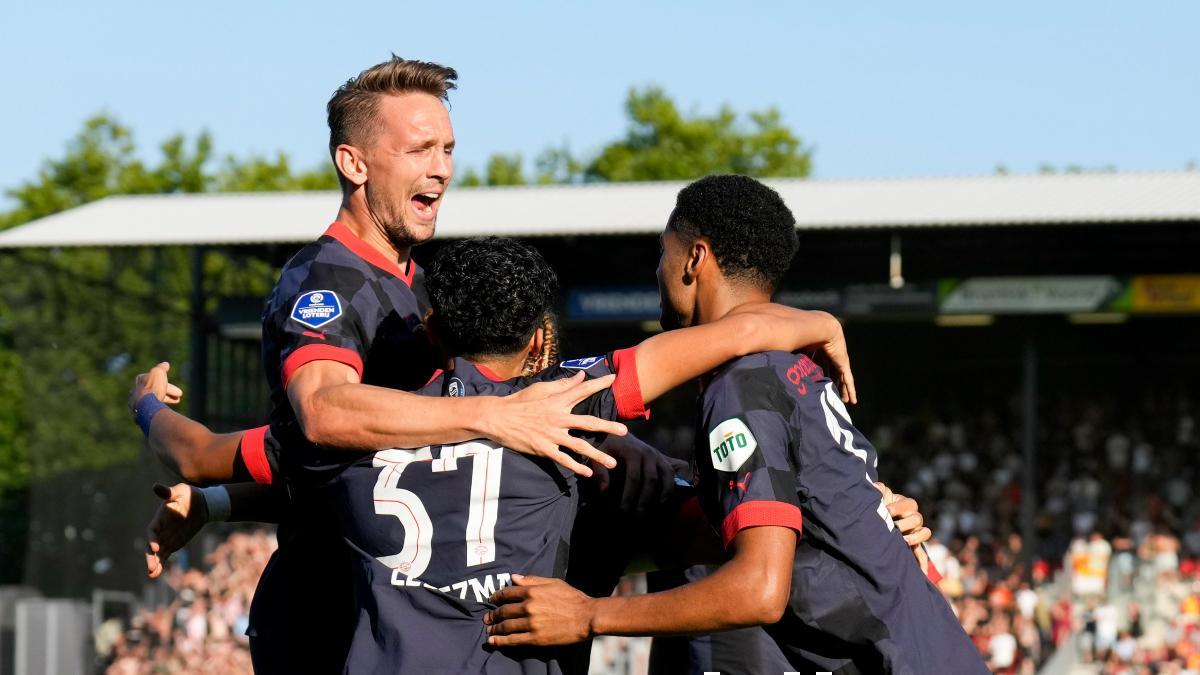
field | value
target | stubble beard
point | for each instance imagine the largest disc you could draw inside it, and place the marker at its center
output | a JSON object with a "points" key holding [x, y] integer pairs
{"points": [[390, 219]]}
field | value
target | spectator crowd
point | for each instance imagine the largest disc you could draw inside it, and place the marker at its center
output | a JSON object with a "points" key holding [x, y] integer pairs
{"points": [[202, 630]]}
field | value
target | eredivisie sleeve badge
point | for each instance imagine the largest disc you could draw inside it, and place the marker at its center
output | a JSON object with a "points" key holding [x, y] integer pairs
{"points": [[317, 308]]}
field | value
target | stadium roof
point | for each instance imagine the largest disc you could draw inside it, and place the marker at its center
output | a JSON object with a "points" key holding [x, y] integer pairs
{"points": [[628, 208]]}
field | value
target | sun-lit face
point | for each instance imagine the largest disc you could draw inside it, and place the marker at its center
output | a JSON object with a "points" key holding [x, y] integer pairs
{"points": [[409, 166], [676, 299]]}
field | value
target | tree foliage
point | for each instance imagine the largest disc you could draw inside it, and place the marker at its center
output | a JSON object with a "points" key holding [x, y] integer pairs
{"points": [[77, 324], [663, 143]]}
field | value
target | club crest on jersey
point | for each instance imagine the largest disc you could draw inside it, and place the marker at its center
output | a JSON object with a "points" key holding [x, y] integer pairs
{"points": [[455, 388], [582, 364], [731, 444], [317, 308]]}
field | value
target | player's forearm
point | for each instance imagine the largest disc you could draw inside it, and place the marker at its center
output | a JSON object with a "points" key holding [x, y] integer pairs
{"points": [[669, 359], [364, 417], [191, 449], [745, 601], [774, 327]]}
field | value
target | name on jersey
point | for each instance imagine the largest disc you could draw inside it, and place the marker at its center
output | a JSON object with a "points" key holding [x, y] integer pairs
{"points": [[317, 308], [582, 364], [480, 588], [731, 444]]}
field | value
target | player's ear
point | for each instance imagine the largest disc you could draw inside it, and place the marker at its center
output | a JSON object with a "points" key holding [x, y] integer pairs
{"points": [[350, 162], [699, 256]]}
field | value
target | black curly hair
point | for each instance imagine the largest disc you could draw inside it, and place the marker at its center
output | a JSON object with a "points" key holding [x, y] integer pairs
{"points": [[752, 232], [489, 295]]}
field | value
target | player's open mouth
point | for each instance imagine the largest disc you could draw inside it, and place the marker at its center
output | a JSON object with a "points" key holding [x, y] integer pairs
{"points": [[425, 203]]}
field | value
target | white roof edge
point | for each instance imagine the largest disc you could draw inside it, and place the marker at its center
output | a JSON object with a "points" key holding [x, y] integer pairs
{"points": [[633, 208]]}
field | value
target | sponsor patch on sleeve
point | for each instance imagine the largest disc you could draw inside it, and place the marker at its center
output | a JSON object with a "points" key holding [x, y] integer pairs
{"points": [[317, 308], [731, 444], [582, 364]]}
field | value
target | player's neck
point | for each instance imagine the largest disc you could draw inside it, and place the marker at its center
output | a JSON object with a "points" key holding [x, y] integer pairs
{"points": [[504, 367], [716, 301], [364, 227]]}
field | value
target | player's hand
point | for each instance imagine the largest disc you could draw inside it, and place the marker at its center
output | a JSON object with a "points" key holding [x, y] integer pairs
{"points": [[154, 381], [539, 611], [646, 476], [537, 421], [907, 516], [838, 354], [179, 517]]}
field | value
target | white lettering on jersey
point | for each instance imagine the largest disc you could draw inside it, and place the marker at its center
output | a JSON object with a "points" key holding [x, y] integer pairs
{"points": [[831, 402], [484, 505]]}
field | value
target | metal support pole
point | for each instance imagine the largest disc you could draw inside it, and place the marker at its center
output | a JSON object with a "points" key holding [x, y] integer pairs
{"points": [[198, 377], [1029, 437]]}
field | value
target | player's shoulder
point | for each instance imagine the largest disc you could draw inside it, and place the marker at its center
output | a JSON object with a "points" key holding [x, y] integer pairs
{"points": [[594, 366], [765, 380]]}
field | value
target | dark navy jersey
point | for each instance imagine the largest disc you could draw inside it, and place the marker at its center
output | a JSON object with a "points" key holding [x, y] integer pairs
{"points": [[337, 299], [433, 532], [775, 446]]}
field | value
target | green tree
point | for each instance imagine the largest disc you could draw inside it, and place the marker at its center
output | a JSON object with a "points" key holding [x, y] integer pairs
{"points": [[664, 144], [502, 169], [76, 324]]}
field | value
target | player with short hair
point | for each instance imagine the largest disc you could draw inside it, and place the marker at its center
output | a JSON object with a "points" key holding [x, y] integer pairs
{"points": [[776, 454], [435, 530], [343, 339]]}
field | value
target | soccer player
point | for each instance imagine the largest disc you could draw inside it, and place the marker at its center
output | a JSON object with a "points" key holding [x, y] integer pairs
{"points": [[776, 452], [436, 530], [342, 339]]}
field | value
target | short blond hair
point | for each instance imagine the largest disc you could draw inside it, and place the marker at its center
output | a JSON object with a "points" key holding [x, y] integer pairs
{"points": [[353, 111]]}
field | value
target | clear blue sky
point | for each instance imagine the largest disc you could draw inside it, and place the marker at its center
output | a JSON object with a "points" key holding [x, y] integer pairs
{"points": [[879, 89]]}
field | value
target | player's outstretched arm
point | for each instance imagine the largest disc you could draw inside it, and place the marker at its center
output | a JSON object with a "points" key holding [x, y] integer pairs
{"points": [[753, 588], [183, 445], [669, 359], [336, 410], [185, 510]]}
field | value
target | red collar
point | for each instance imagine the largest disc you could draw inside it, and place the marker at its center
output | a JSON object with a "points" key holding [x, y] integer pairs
{"points": [[368, 253], [488, 373]]}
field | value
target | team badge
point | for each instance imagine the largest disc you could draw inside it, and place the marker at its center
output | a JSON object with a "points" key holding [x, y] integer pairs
{"points": [[731, 444], [582, 364], [317, 308], [455, 388]]}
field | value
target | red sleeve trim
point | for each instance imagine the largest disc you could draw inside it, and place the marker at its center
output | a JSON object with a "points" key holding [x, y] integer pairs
{"points": [[760, 513], [254, 454], [627, 390], [935, 577], [310, 353]]}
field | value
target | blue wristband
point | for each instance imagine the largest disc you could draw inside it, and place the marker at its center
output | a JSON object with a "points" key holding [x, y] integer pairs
{"points": [[145, 410]]}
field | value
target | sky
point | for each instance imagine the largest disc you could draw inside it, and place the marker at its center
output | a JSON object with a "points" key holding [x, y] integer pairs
{"points": [[876, 89]]}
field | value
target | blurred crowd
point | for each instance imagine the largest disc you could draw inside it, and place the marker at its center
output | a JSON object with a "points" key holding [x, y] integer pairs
{"points": [[1117, 529], [1114, 575], [202, 629]]}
